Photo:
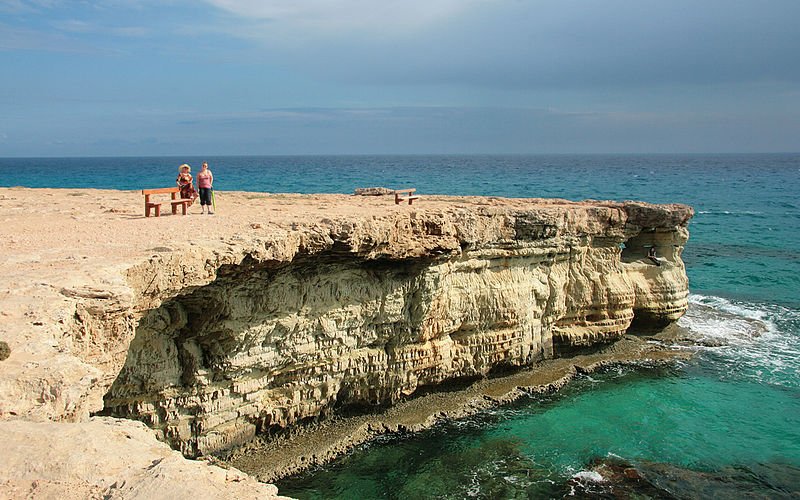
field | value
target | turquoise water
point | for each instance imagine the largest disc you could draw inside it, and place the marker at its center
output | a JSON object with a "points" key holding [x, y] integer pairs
{"points": [[734, 407], [683, 416]]}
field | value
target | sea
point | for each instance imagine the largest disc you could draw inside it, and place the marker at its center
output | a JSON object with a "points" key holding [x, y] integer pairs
{"points": [[724, 424]]}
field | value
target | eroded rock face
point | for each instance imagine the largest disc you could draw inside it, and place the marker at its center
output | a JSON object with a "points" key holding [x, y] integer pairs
{"points": [[367, 310]]}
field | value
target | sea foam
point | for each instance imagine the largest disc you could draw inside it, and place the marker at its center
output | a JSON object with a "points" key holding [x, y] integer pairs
{"points": [[754, 341]]}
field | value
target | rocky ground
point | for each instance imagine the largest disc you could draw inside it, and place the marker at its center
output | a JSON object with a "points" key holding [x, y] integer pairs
{"points": [[107, 458], [77, 272]]}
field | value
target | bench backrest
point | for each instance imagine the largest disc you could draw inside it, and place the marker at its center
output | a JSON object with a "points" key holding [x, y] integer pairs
{"points": [[400, 191], [161, 190]]}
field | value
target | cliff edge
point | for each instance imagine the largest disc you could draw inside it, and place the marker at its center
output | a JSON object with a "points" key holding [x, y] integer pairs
{"points": [[283, 307]]}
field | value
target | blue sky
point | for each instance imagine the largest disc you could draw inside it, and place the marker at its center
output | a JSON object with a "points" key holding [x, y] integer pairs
{"points": [[216, 77]]}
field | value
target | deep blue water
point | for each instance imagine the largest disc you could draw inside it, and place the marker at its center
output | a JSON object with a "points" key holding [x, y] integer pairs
{"points": [[735, 405]]}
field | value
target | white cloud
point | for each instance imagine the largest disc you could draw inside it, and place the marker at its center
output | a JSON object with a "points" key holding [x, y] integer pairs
{"points": [[24, 6], [83, 27], [74, 26], [12, 6], [323, 17], [12, 38]]}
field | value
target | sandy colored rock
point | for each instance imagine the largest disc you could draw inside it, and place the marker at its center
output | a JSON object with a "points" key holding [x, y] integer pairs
{"points": [[109, 458], [282, 307]]}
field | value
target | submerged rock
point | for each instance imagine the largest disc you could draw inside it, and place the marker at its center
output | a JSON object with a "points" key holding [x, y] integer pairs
{"points": [[622, 479]]}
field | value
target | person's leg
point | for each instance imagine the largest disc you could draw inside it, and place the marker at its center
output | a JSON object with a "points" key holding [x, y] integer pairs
{"points": [[203, 199]]}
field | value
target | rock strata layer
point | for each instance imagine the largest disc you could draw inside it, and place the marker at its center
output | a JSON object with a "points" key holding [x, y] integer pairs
{"points": [[366, 311], [285, 307]]}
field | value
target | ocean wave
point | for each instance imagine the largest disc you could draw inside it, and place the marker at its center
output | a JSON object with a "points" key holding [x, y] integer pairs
{"points": [[730, 212], [760, 342]]}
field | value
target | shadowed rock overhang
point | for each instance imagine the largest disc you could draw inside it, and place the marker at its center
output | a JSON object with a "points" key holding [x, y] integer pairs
{"points": [[365, 311]]}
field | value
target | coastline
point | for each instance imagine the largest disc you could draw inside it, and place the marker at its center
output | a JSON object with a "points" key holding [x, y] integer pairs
{"points": [[82, 267]]}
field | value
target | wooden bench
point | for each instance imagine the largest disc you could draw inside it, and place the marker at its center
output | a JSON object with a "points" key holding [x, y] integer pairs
{"points": [[404, 194], [176, 202]]}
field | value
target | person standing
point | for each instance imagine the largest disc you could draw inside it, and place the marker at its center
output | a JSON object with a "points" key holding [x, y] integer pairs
{"points": [[205, 183]]}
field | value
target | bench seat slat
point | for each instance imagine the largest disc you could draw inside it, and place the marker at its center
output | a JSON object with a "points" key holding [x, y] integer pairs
{"points": [[161, 190]]}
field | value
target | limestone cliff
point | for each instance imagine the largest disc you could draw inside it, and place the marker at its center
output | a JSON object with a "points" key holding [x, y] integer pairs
{"points": [[267, 330]]}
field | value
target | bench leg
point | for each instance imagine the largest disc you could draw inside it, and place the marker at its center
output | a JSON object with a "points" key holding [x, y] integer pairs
{"points": [[184, 208], [146, 210], [158, 210]]}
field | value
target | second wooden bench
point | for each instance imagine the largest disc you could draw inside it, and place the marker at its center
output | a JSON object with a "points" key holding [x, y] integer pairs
{"points": [[405, 194]]}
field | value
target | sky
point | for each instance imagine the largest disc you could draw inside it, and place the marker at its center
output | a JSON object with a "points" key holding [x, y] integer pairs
{"points": [[260, 77]]}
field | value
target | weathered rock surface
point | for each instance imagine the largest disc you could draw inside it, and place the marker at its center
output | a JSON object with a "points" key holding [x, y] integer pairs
{"points": [[134, 465], [373, 191], [283, 307]]}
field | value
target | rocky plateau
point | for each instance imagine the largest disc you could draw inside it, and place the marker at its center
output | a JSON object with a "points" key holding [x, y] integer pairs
{"points": [[282, 309]]}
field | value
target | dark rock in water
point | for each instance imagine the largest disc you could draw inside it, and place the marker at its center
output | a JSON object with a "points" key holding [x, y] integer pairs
{"points": [[708, 342], [5, 351], [373, 191], [767, 481], [613, 478], [616, 478]]}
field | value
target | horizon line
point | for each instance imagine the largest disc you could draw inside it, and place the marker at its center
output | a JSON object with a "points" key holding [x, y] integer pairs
{"points": [[252, 155]]}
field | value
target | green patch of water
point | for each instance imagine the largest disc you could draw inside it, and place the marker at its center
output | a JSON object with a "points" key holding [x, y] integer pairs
{"points": [[532, 448]]}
